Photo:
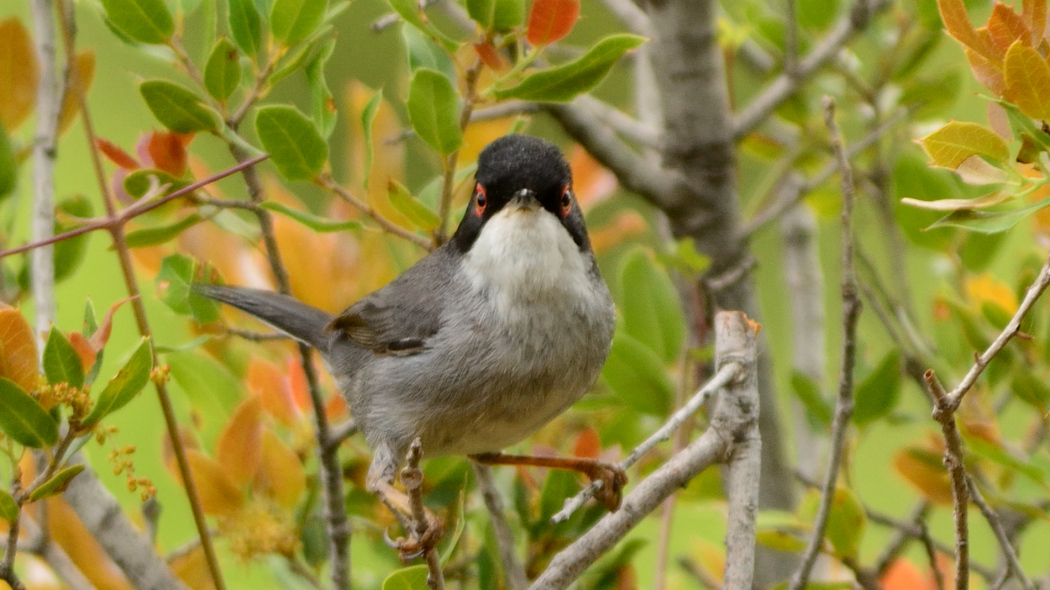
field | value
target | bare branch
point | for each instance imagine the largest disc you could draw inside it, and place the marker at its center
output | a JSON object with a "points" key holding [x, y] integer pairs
{"points": [[850, 314], [659, 186], [621, 122], [725, 374], [953, 460], [387, 225], [516, 578], [337, 434], [736, 344], [785, 85], [412, 478], [1013, 564], [7, 562], [951, 403]]}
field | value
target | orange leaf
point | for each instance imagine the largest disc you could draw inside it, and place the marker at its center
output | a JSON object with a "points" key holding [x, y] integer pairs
{"points": [[84, 351], [335, 408], [70, 533], [551, 20], [217, 492], [17, 350], [168, 151], [192, 568], [957, 22], [266, 380], [18, 74], [71, 100], [239, 448], [1028, 81], [281, 476], [297, 383], [1034, 14], [488, 54], [588, 444], [902, 575], [1005, 26], [988, 73], [117, 155], [101, 336], [923, 469]]}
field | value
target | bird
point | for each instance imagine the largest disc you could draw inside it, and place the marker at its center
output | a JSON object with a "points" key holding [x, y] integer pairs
{"points": [[484, 340]]}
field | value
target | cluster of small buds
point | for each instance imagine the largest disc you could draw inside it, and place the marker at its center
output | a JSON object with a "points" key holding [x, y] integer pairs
{"points": [[103, 433], [120, 457], [160, 374], [78, 399]]}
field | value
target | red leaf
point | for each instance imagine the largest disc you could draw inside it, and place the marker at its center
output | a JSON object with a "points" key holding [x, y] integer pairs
{"points": [[488, 54], [84, 350], [117, 155], [1005, 26], [588, 445], [551, 20], [168, 152], [101, 336], [957, 22]]}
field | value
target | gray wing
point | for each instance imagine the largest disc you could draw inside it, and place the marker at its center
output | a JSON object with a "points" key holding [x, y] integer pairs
{"points": [[401, 317]]}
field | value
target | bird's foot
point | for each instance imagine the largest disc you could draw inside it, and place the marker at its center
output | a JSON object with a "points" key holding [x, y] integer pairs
{"points": [[613, 478], [422, 538]]}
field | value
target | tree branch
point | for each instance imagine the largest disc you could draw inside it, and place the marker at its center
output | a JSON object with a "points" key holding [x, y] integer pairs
{"points": [[850, 314], [788, 83], [953, 460], [736, 339], [1013, 564]]}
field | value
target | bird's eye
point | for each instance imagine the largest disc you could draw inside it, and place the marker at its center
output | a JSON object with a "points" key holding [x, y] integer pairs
{"points": [[480, 199], [566, 200]]}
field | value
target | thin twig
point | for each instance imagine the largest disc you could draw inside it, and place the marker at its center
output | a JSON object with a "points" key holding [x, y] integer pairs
{"points": [[337, 434], [725, 374], [1014, 565], [451, 161], [851, 313], [412, 478], [7, 569], [516, 577], [788, 83], [141, 319], [387, 225], [705, 579], [790, 39], [953, 460]]}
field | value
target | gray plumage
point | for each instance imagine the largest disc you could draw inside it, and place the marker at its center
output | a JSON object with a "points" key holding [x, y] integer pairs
{"points": [[480, 343]]}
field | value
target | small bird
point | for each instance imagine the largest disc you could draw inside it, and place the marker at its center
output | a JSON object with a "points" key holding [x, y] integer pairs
{"points": [[483, 341]]}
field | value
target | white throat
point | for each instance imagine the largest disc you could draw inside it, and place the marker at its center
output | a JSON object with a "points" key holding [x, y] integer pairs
{"points": [[525, 257]]}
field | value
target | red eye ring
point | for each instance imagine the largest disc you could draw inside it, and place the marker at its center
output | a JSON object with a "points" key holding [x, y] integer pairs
{"points": [[566, 200], [480, 199]]}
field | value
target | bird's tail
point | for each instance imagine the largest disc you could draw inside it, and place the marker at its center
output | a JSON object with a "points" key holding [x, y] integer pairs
{"points": [[293, 317]]}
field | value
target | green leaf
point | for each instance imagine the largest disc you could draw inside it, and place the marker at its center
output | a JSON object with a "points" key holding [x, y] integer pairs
{"points": [[291, 21], [8, 508], [222, 73], [23, 418], [818, 411], [846, 520], [410, 12], [210, 388], [125, 385], [483, 12], [817, 14], [651, 310], [368, 117], [145, 21], [173, 281], [293, 60], [781, 530], [433, 107], [140, 181], [1023, 125], [637, 376], [409, 578], [296, 147], [958, 140], [423, 52], [176, 108], [153, 236], [57, 484], [989, 222], [70, 253], [877, 394], [8, 166], [1002, 457], [507, 14], [61, 361], [409, 206], [245, 26], [320, 96], [563, 83], [1031, 390], [314, 222]]}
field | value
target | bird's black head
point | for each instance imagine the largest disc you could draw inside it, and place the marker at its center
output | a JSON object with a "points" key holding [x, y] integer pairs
{"points": [[518, 167]]}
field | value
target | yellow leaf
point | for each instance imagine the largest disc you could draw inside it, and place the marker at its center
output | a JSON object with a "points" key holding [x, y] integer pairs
{"points": [[192, 568], [18, 73], [217, 492], [923, 469], [986, 288], [17, 350], [1028, 81], [239, 449], [71, 101], [952, 144], [281, 476]]}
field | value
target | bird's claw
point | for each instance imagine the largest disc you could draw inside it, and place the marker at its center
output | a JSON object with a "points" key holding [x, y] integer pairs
{"points": [[421, 543], [613, 479]]}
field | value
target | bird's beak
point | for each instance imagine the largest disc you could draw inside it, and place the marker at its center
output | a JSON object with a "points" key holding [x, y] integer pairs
{"points": [[526, 199]]}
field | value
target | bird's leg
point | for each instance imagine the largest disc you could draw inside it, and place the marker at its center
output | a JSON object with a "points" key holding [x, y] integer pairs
{"points": [[407, 506], [611, 474]]}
